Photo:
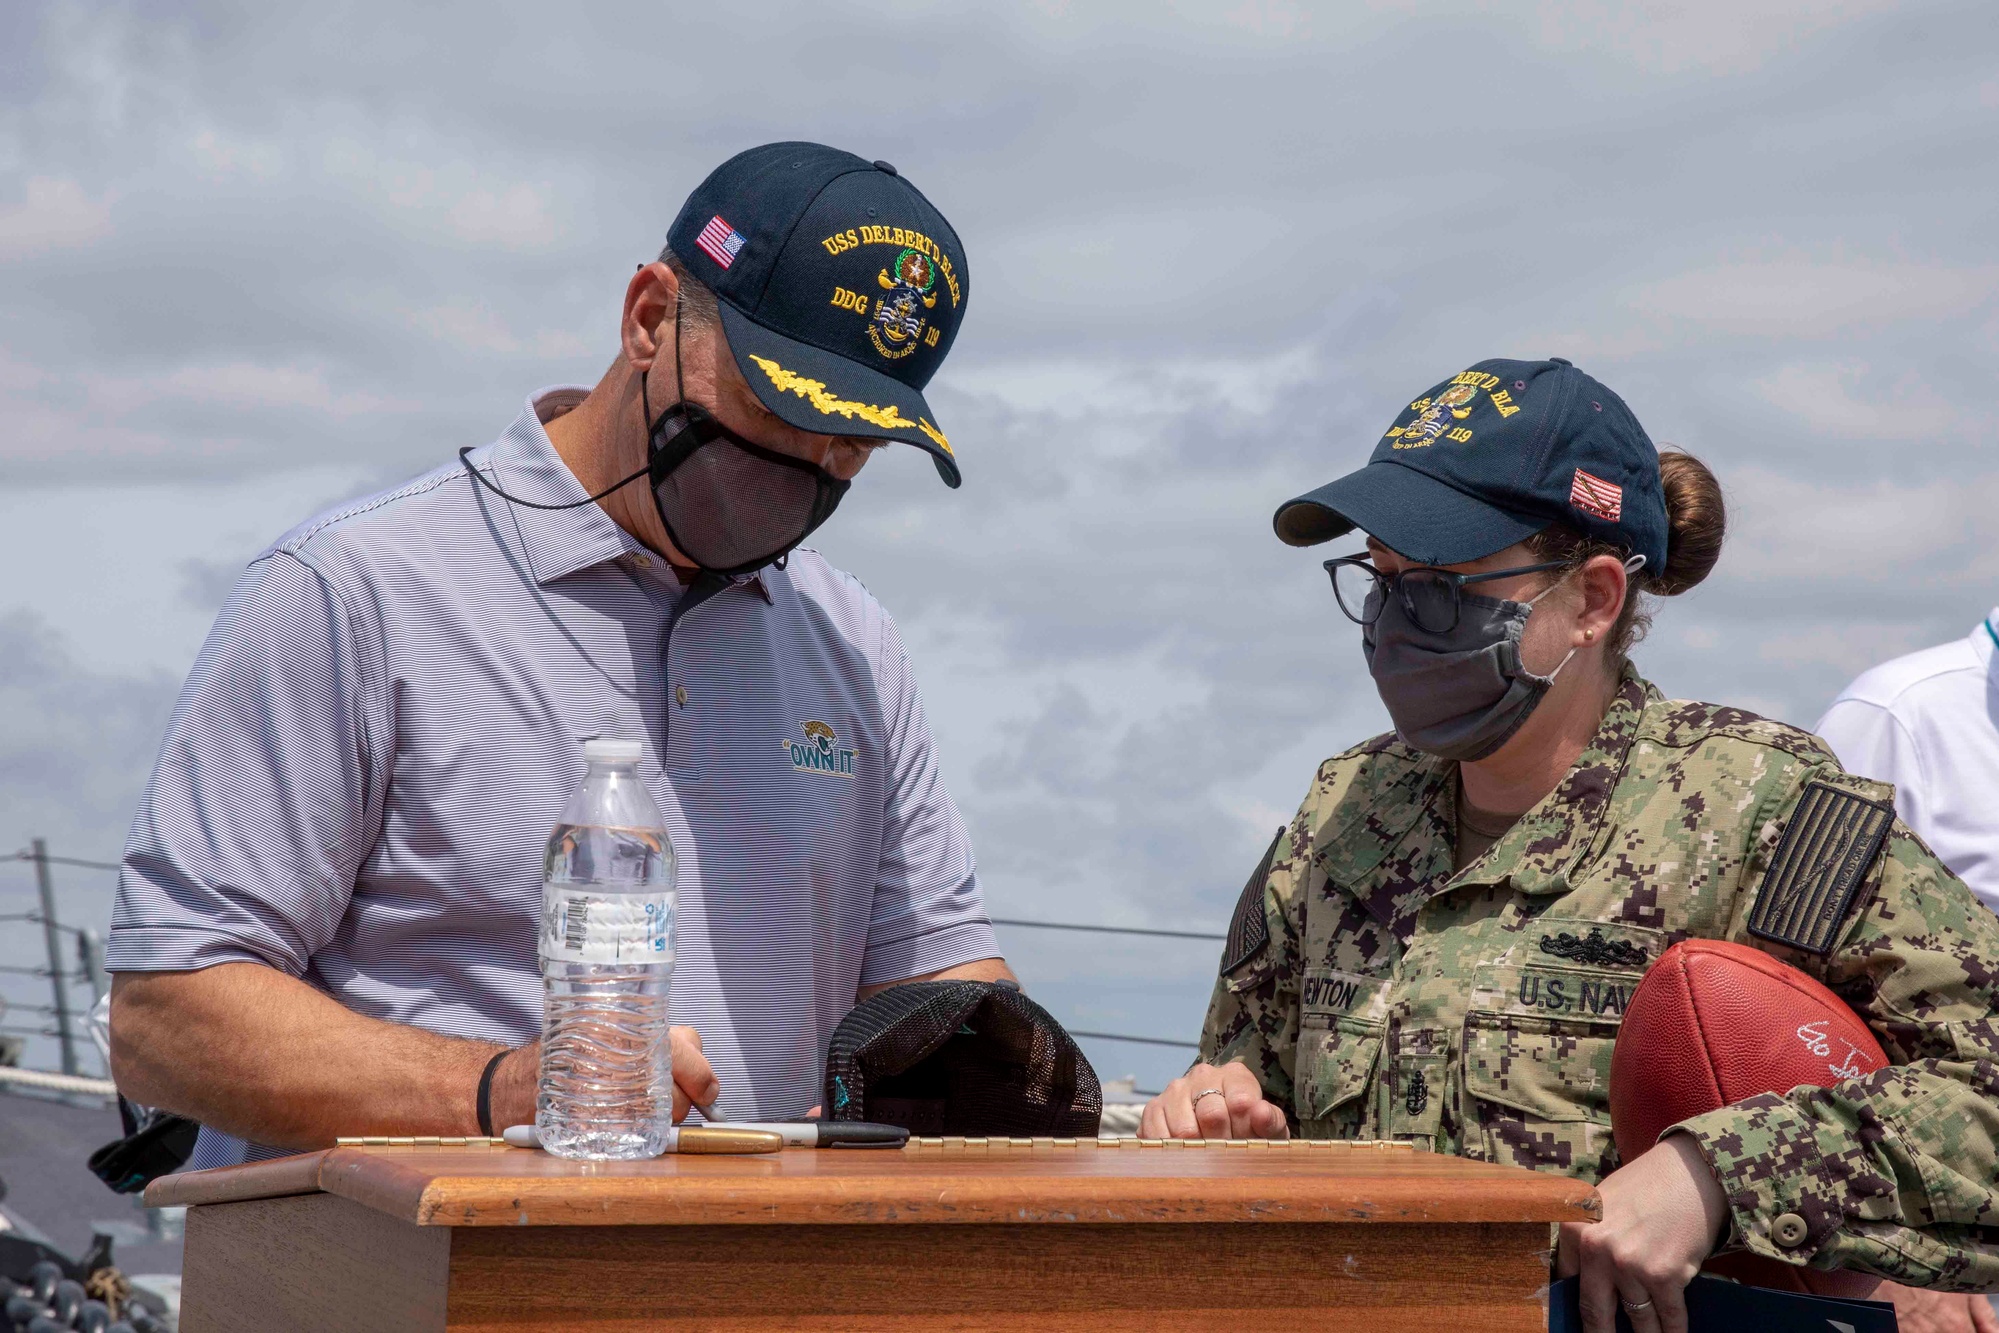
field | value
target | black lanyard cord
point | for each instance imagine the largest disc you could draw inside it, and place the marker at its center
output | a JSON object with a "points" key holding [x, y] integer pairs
{"points": [[644, 411], [480, 477]]}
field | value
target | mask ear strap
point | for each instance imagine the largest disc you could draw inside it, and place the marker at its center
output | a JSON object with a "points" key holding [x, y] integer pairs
{"points": [[645, 416], [679, 384], [645, 399], [1631, 566]]}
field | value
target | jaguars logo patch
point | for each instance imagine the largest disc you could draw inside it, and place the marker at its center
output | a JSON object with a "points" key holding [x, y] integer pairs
{"points": [[820, 752]]}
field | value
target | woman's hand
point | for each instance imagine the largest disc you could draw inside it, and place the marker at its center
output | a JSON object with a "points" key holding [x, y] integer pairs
{"points": [[1661, 1215], [1919, 1311], [1188, 1109]]}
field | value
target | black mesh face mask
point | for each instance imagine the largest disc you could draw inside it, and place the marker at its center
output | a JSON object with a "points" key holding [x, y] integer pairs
{"points": [[731, 506]]}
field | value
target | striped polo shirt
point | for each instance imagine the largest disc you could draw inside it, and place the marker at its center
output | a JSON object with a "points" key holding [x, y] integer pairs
{"points": [[376, 741]]}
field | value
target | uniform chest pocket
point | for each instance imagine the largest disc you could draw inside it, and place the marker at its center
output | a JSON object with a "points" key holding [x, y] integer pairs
{"points": [[1550, 1069], [1335, 1066], [1537, 1046], [1539, 1039]]}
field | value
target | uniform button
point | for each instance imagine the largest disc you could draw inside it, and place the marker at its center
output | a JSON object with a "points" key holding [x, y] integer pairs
{"points": [[680, 695], [639, 560], [1789, 1230]]}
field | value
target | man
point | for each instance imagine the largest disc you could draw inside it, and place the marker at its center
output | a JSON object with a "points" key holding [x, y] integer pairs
{"points": [[1929, 723], [326, 923]]}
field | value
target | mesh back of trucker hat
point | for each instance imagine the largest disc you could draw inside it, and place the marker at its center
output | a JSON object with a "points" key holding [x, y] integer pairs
{"points": [[960, 1057]]}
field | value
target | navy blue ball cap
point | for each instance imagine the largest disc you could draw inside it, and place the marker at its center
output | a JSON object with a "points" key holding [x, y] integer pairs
{"points": [[1490, 457], [840, 287]]}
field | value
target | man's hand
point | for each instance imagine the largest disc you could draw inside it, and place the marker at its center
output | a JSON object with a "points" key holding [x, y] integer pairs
{"points": [[515, 1081], [1919, 1311], [1187, 1110], [1661, 1214], [262, 1055]]}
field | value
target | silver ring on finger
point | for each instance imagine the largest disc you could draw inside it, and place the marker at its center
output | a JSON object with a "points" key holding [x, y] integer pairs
{"points": [[1633, 1307], [1205, 1092]]}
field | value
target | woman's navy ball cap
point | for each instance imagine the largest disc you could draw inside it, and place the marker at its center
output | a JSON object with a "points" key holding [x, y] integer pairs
{"points": [[1490, 457]]}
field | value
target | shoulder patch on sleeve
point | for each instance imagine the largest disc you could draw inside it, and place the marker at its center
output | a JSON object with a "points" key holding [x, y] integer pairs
{"points": [[1827, 849], [1249, 929]]}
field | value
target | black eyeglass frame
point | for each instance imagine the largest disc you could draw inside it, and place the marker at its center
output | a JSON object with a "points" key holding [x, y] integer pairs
{"points": [[1394, 583]]}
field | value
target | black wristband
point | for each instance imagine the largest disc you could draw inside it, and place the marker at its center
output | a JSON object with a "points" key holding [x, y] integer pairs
{"points": [[486, 1093]]}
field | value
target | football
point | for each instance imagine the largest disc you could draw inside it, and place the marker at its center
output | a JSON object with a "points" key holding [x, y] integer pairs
{"points": [[1713, 1023]]}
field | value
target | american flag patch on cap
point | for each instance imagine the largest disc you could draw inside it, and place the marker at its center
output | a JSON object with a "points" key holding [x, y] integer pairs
{"points": [[1594, 495], [721, 241]]}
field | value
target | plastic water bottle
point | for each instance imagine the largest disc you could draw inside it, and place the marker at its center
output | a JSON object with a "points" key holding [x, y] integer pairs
{"points": [[607, 968]]}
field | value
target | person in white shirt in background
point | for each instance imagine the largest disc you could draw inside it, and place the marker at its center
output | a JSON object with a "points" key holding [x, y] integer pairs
{"points": [[1929, 723]]}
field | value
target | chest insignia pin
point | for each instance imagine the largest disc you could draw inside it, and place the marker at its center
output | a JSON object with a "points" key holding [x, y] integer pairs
{"points": [[1417, 1095], [1595, 949]]}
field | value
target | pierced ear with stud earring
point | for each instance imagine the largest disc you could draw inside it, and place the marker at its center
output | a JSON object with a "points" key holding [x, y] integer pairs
{"points": [[1589, 636]]}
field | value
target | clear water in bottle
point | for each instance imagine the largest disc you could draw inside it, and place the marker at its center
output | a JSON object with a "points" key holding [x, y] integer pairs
{"points": [[607, 968]]}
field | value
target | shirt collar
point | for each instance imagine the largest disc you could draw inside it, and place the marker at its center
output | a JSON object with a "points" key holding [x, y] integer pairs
{"points": [[1539, 851], [1394, 851], [558, 542], [1985, 638]]}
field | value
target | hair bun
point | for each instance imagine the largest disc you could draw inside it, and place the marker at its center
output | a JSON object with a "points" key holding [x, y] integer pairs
{"points": [[1696, 522]]}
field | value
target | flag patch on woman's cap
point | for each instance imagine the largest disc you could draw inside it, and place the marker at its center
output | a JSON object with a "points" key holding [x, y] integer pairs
{"points": [[1594, 495], [721, 241]]}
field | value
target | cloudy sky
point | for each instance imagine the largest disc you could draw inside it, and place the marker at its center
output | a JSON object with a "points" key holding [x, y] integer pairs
{"points": [[254, 263]]}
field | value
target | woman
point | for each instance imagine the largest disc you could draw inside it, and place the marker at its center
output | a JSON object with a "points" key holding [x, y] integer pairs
{"points": [[1439, 947]]}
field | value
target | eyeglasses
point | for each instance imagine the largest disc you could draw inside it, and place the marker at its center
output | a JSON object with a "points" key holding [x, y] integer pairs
{"points": [[1429, 597]]}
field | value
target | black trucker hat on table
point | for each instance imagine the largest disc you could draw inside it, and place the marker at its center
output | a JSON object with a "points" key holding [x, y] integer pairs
{"points": [[1490, 457], [841, 289], [961, 1057]]}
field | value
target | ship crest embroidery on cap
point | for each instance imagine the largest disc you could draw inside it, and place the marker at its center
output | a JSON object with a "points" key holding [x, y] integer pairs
{"points": [[899, 312], [897, 326], [1435, 417]]}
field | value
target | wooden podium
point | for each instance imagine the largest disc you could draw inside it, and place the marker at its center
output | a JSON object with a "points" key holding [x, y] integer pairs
{"points": [[1016, 1234]]}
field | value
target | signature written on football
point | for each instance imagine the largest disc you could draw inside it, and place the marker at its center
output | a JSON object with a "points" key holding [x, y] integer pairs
{"points": [[1813, 1035]]}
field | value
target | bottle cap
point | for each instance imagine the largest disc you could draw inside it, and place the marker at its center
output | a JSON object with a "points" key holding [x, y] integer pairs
{"points": [[608, 750]]}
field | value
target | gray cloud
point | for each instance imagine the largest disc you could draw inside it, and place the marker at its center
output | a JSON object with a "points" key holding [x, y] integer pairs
{"points": [[78, 743], [1212, 249], [74, 755]]}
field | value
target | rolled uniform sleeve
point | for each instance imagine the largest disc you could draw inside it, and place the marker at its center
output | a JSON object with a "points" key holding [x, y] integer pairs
{"points": [[1893, 1173], [1253, 1014], [267, 794], [928, 912]]}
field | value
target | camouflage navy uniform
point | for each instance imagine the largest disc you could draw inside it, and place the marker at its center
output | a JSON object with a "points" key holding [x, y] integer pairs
{"points": [[1379, 994]]}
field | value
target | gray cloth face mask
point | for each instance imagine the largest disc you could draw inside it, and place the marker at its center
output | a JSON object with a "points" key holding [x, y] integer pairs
{"points": [[1462, 694]]}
